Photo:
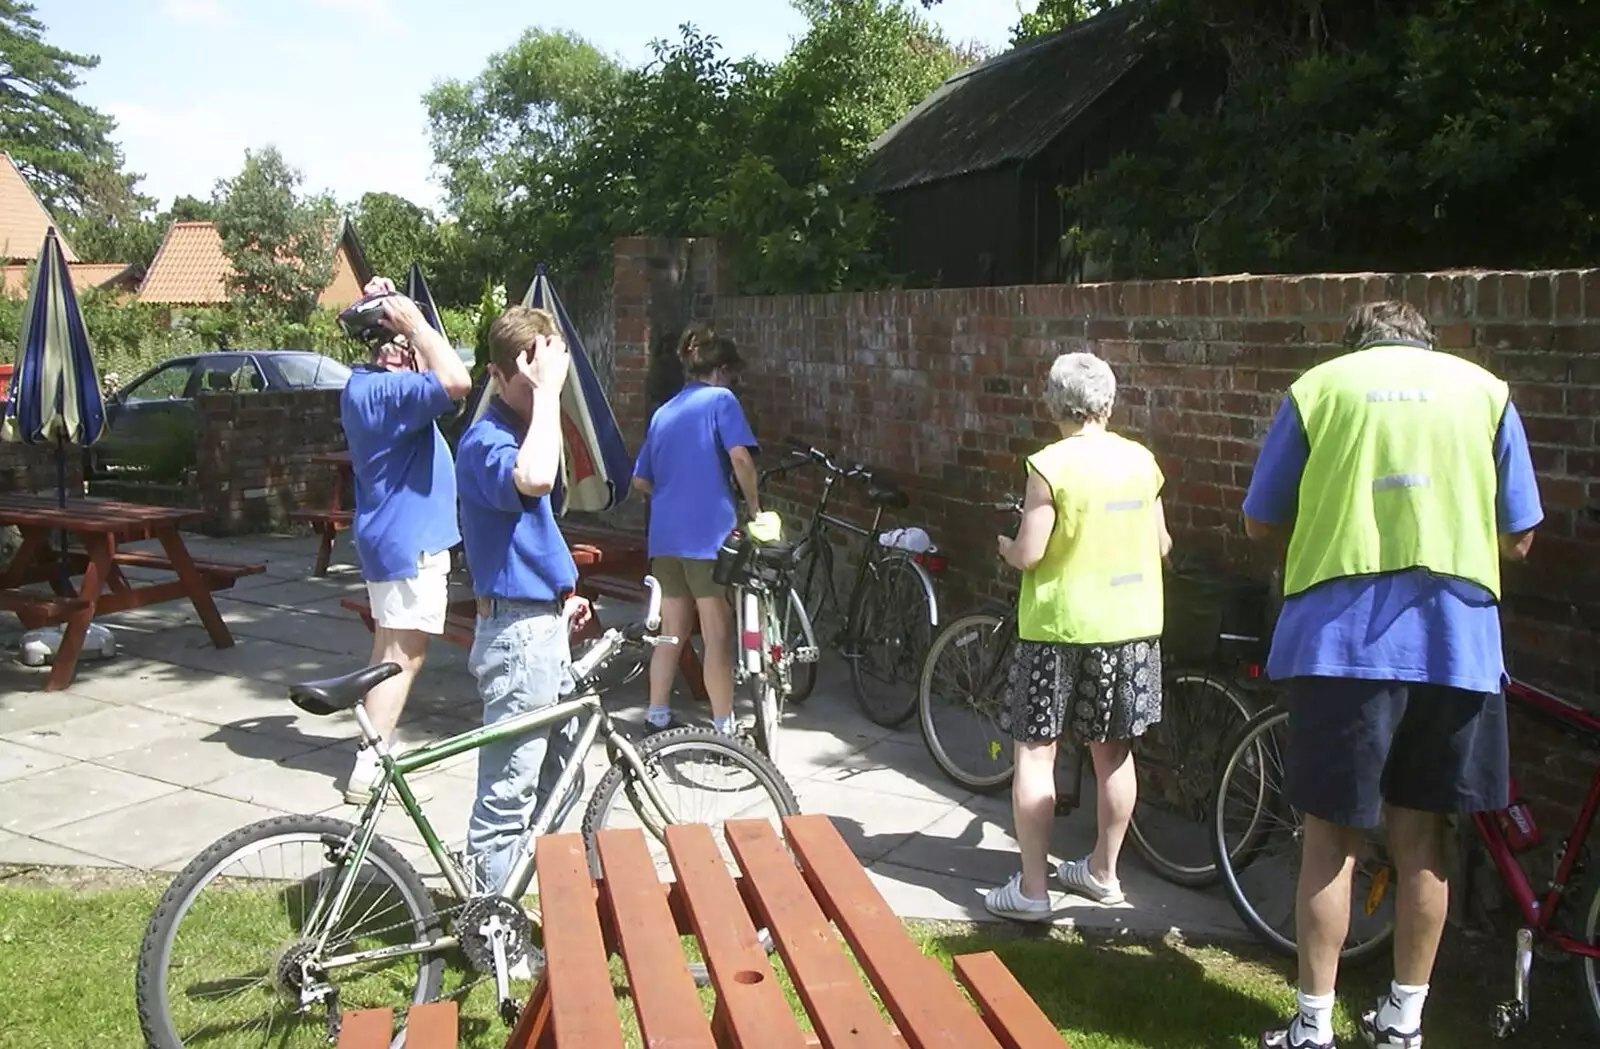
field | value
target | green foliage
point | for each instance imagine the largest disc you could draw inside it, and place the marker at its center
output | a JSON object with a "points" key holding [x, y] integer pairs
{"points": [[1431, 134], [279, 241], [395, 233], [62, 147], [166, 451], [1052, 16], [553, 151]]}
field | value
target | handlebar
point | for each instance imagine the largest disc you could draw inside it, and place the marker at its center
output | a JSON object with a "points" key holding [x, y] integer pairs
{"points": [[801, 454], [614, 640]]}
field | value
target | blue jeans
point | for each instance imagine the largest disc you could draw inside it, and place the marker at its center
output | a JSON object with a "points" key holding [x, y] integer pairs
{"points": [[521, 661]]}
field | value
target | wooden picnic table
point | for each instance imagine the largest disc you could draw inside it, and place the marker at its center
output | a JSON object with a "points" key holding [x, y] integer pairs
{"points": [[802, 894], [96, 527], [337, 516]]}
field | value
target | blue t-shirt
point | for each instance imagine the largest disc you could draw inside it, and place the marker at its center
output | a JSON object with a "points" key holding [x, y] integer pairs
{"points": [[1401, 626], [685, 459], [514, 548], [405, 482]]}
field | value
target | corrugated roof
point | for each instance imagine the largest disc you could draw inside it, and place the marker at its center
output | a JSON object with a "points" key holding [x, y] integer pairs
{"points": [[85, 275], [191, 269], [23, 218], [1008, 108]]}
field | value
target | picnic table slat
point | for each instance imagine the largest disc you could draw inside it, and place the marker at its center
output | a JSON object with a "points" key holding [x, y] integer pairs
{"points": [[534, 1029], [841, 1009], [664, 995], [1009, 1010], [750, 1000], [919, 993], [366, 1029], [583, 1006], [431, 1026]]}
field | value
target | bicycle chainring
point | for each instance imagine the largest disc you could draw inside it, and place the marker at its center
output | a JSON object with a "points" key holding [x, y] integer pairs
{"points": [[475, 942], [289, 972]]}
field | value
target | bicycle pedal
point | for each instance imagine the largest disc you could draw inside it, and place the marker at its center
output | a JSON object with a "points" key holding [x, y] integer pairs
{"points": [[806, 654]]}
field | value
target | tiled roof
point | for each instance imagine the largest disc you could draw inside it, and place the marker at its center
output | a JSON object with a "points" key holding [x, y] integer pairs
{"points": [[85, 275], [23, 219], [190, 268]]}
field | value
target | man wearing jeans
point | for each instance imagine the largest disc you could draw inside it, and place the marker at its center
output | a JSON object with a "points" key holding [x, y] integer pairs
{"points": [[405, 495], [523, 575], [1400, 477]]}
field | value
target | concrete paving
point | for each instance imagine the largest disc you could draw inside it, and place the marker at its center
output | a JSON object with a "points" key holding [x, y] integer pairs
{"points": [[152, 755]]}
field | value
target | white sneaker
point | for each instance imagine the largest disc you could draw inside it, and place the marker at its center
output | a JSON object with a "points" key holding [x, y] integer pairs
{"points": [[1075, 877], [358, 791]]}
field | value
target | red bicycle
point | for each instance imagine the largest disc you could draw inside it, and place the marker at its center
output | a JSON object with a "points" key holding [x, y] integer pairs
{"points": [[1256, 843]]}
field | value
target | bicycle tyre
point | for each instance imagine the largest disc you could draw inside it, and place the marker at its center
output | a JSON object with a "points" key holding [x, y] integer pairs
{"points": [[1588, 969], [810, 581], [617, 779], [1252, 743], [765, 694], [975, 625], [150, 991], [895, 584], [1197, 763]]}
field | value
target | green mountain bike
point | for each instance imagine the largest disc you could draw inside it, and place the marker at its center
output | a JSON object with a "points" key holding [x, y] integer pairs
{"points": [[273, 932]]}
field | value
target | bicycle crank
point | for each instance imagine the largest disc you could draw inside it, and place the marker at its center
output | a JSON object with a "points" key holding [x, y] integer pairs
{"points": [[1510, 1017]]}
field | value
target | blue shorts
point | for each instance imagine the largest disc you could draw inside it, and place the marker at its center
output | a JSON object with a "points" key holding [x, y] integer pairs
{"points": [[1356, 745]]}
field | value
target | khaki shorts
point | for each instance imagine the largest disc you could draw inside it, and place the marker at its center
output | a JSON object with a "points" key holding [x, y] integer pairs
{"points": [[418, 603], [685, 577]]}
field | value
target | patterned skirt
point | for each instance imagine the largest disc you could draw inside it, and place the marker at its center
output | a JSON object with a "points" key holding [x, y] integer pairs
{"points": [[1094, 692]]}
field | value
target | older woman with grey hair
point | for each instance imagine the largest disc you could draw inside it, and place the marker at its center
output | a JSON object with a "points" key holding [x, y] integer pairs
{"points": [[1087, 659]]}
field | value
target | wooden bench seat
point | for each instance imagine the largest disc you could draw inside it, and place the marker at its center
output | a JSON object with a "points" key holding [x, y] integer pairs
{"points": [[430, 1026], [801, 891], [33, 604], [327, 524], [226, 571]]}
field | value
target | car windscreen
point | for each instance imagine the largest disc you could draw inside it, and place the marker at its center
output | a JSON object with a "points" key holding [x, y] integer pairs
{"points": [[304, 371]]}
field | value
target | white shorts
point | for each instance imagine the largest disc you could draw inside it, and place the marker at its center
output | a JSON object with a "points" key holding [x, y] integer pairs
{"points": [[414, 604]]}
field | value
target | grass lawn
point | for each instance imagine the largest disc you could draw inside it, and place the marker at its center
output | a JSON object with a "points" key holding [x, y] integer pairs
{"points": [[67, 961]]}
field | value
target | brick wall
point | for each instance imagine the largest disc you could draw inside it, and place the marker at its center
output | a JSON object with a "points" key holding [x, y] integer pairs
{"points": [[29, 468], [254, 457], [942, 388]]}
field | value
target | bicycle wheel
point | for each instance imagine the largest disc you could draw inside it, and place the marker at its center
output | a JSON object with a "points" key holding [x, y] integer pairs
{"points": [[811, 582], [889, 639], [767, 687], [243, 910], [1588, 969], [1256, 847], [960, 700], [1178, 761]]}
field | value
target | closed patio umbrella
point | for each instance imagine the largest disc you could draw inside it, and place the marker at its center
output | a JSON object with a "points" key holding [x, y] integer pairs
{"points": [[55, 394], [596, 468], [416, 290]]}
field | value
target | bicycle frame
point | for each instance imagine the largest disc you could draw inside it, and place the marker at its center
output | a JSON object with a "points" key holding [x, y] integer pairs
{"points": [[395, 768], [1538, 913]]}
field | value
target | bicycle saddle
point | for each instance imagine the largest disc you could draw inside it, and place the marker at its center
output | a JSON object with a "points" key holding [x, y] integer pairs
{"points": [[893, 498], [331, 695]]}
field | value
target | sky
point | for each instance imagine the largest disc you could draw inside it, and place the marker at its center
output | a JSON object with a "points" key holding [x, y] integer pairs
{"points": [[336, 85]]}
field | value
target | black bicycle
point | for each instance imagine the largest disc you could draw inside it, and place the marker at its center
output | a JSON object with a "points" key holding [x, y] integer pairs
{"points": [[886, 620]]}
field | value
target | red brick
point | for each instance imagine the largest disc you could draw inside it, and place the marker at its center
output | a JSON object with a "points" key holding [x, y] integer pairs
{"points": [[1541, 297], [1513, 295], [1569, 296], [1454, 336]]}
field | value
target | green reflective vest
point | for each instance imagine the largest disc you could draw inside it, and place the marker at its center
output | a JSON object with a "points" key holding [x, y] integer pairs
{"points": [[1099, 581], [1401, 472]]}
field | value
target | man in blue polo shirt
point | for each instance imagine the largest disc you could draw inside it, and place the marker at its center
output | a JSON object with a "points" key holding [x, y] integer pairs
{"points": [[523, 575], [1399, 477], [405, 496]]}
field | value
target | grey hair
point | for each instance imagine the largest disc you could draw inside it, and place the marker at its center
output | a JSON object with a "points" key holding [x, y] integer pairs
{"points": [[1081, 387], [1375, 323]]}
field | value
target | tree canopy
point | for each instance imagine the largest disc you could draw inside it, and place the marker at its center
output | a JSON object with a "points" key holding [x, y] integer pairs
{"points": [[63, 147], [279, 240]]}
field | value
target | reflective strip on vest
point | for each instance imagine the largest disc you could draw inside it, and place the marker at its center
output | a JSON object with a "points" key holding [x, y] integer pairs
{"points": [[1401, 473], [1099, 581]]}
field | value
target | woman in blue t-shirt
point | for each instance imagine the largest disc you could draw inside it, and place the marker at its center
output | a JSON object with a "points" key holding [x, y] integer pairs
{"points": [[694, 441]]}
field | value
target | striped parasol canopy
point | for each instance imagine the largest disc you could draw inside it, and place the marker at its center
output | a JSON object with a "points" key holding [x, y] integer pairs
{"points": [[55, 393], [596, 469], [416, 290]]}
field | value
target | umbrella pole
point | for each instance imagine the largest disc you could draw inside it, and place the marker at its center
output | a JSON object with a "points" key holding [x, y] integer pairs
{"points": [[61, 501]]}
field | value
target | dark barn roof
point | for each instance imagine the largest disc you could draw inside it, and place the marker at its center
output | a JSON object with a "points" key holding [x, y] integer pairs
{"points": [[1008, 108]]}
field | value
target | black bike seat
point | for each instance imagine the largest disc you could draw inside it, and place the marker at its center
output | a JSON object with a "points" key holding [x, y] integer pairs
{"points": [[893, 498], [334, 694]]}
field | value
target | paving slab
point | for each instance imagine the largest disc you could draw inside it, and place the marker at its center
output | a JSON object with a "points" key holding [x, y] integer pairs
{"points": [[18, 850], [135, 680], [280, 787], [24, 710], [162, 834], [106, 732], [70, 793], [192, 762], [896, 767], [17, 761], [871, 824]]}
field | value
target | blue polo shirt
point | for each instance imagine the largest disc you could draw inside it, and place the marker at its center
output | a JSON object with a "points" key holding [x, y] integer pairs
{"points": [[685, 459], [514, 548], [405, 483], [1401, 626]]}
